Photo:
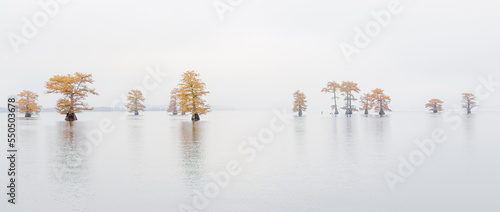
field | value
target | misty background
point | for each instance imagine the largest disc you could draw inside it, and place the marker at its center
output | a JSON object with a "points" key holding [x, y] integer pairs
{"points": [[260, 53]]}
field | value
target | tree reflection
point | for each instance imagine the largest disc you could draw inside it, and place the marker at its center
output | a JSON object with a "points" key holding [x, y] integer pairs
{"points": [[68, 163], [192, 153], [300, 136]]}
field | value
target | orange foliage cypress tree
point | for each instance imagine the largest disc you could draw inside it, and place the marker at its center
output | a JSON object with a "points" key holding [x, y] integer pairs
{"points": [[435, 105], [74, 89], [332, 87], [28, 103], [349, 88], [173, 106], [368, 101], [381, 101], [135, 100], [299, 103], [191, 90], [469, 101]]}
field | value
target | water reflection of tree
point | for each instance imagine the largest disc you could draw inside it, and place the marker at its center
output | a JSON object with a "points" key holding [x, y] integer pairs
{"points": [[135, 142], [300, 137], [381, 134], [381, 130], [349, 140], [68, 163], [192, 153], [469, 132]]}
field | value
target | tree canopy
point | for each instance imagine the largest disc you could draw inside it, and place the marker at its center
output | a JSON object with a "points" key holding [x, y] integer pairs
{"points": [[435, 105], [191, 91], [332, 87], [299, 103], [28, 103], [74, 88], [135, 102], [381, 101], [468, 101], [174, 102]]}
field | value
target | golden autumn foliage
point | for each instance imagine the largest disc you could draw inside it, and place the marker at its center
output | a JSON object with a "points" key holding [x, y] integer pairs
{"points": [[299, 103], [74, 89], [332, 87], [28, 103], [435, 105], [381, 101], [190, 92], [367, 102], [135, 100], [348, 89], [174, 102], [469, 101]]}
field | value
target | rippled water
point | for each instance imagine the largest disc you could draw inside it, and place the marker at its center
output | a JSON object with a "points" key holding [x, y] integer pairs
{"points": [[157, 162]]}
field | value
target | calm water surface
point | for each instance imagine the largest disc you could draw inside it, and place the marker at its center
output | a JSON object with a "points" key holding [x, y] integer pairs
{"points": [[156, 162]]}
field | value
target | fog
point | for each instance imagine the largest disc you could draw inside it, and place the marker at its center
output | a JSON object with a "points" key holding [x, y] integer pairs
{"points": [[260, 52]]}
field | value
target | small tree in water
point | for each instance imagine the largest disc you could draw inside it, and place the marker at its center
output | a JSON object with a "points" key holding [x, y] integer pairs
{"points": [[190, 92], [135, 100], [332, 87], [299, 103], [174, 102], [435, 105], [348, 89], [469, 101], [28, 103], [367, 101], [381, 101], [74, 89]]}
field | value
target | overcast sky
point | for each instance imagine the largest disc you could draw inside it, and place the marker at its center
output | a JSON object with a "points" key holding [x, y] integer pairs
{"points": [[260, 53]]}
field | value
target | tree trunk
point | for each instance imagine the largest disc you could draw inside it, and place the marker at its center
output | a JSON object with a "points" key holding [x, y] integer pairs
{"points": [[195, 117], [435, 111], [381, 112], [366, 111], [136, 113], [335, 102], [71, 117], [468, 108], [27, 115], [300, 112], [174, 113]]}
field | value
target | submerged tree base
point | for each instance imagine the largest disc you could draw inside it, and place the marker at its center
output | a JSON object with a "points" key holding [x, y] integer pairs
{"points": [[435, 111], [336, 111], [174, 114], [71, 117], [136, 113], [27, 115], [300, 113], [381, 112], [195, 117], [366, 111]]}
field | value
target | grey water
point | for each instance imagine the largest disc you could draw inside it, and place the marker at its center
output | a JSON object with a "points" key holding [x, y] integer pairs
{"points": [[108, 161]]}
